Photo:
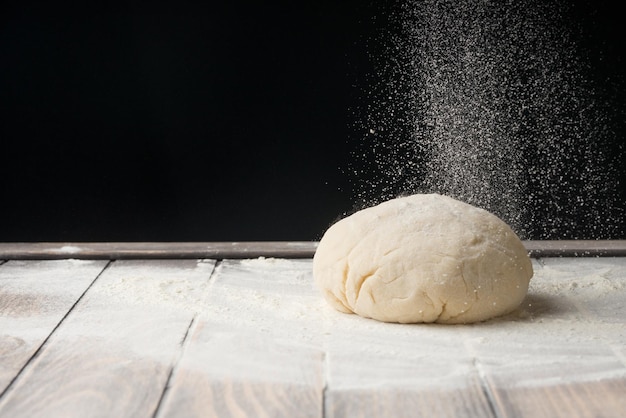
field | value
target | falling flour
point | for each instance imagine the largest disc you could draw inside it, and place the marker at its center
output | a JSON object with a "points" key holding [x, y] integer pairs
{"points": [[491, 103]]}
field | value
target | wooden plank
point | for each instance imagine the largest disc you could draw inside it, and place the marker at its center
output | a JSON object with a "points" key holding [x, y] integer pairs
{"points": [[378, 369], [244, 250], [576, 248], [256, 350], [264, 343], [552, 378], [35, 296], [114, 352], [597, 287], [556, 356], [403, 402], [555, 380], [159, 250], [604, 398]]}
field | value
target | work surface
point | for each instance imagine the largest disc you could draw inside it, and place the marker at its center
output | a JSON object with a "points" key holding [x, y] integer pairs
{"points": [[195, 338]]}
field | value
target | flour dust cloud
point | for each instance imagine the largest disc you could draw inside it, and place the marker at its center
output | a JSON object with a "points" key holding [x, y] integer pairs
{"points": [[490, 102]]}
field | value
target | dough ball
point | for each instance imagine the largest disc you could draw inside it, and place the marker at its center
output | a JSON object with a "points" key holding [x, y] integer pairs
{"points": [[422, 258]]}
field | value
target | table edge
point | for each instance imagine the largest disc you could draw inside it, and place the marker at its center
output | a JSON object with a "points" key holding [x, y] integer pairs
{"points": [[255, 249]]}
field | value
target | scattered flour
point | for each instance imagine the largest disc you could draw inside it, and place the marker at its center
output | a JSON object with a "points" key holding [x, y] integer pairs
{"points": [[569, 328], [495, 104], [69, 249], [166, 286]]}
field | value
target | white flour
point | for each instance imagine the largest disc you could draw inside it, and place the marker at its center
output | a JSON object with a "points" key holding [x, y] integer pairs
{"points": [[569, 328], [495, 104]]}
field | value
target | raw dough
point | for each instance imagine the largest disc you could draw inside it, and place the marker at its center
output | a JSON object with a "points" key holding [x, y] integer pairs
{"points": [[422, 258]]}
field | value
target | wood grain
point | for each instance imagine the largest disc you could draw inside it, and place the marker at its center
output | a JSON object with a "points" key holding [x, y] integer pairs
{"points": [[550, 380], [114, 352], [378, 369], [256, 350], [34, 298], [559, 359], [403, 402], [597, 399], [228, 373]]}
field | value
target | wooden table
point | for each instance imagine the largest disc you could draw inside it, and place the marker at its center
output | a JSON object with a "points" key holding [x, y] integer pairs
{"points": [[148, 336]]}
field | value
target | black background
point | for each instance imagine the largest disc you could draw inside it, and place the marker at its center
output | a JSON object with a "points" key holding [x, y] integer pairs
{"points": [[181, 122]]}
